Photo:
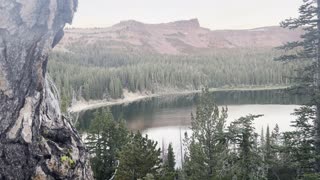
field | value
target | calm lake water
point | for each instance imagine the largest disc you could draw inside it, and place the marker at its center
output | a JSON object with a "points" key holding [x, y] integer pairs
{"points": [[166, 119]]}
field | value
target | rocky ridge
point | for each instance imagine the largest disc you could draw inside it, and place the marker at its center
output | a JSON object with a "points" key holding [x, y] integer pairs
{"points": [[175, 38], [36, 140]]}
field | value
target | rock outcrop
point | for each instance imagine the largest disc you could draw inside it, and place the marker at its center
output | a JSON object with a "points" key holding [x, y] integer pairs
{"points": [[36, 140]]}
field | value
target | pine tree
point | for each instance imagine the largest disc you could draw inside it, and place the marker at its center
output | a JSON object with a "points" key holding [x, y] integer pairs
{"points": [[303, 144], [138, 158], [169, 165], [105, 139], [208, 141], [286, 167], [268, 145], [262, 138], [249, 163], [295, 155], [273, 153], [275, 136], [308, 49], [262, 149], [270, 156], [171, 162]]}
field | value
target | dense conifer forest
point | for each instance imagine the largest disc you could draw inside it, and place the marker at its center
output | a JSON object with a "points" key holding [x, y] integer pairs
{"points": [[94, 73]]}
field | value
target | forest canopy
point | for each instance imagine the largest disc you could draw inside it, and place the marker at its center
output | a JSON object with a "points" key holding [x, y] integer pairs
{"points": [[94, 73]]}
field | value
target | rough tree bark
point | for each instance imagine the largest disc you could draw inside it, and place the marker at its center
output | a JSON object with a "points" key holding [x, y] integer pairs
{"points": [[317, 85], [36, 140]]}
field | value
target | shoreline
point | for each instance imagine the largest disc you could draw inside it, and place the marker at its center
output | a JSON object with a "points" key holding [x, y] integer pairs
{"points": [[129, 97]]}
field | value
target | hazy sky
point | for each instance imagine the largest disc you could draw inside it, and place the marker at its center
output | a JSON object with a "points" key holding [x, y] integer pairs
{"points": [[213, 14]]}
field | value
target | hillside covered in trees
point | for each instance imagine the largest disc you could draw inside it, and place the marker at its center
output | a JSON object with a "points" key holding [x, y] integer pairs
{"points": [[105, 76], [93, 65]]}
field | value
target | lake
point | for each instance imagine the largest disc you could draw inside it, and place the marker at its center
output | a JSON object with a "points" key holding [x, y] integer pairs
{"points": [[166, 119]]}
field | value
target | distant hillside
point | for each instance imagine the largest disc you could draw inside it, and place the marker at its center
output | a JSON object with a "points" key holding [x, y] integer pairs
{"points": [[176, 38], [144, 59]]}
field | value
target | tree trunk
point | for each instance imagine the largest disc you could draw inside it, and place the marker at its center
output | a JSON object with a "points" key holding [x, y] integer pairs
{"points": [[36, 140], [317, 83]]}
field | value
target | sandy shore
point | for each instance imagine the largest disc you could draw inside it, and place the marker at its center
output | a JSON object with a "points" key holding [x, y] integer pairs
{"points": [[130, 97]]}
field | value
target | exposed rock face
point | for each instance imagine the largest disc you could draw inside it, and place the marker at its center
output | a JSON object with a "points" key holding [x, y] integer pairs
{"points": [[192, 23], [176, 38], [36, 140]]}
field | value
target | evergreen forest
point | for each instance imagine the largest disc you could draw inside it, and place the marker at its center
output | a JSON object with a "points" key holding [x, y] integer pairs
{"points": [[93, 73]]}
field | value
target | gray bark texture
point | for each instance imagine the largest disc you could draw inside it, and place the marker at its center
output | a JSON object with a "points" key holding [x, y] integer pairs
{"points": [[36, 140], [317, 84]]}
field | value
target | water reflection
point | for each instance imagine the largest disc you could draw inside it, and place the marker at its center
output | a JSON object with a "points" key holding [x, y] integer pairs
{"points": [[176, 110], [165, 119]]}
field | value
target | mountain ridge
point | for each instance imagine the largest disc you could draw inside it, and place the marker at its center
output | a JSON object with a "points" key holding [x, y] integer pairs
{"points": [[177, 38]]}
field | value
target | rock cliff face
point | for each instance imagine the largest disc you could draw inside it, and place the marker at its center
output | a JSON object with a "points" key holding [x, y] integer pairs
{"points": [[36, 140]]}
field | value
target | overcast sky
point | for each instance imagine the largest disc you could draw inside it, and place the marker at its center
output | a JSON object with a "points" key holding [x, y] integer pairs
{"points": [[213, 14]]}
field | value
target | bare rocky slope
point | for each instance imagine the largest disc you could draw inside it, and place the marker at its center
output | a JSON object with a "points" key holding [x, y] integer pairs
{"points": [[36, 140], [176, 38]]}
